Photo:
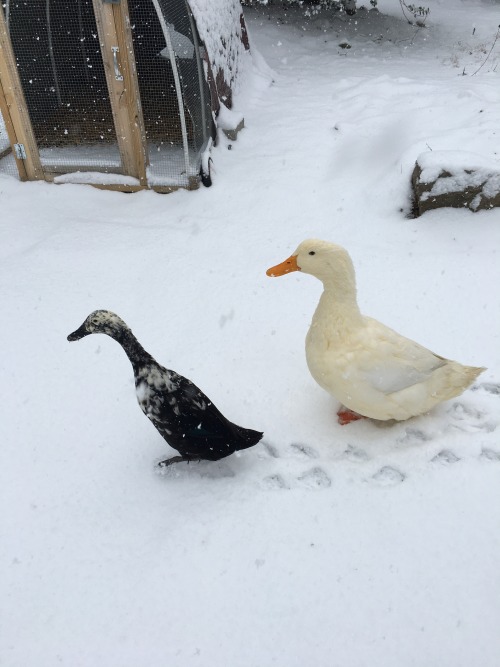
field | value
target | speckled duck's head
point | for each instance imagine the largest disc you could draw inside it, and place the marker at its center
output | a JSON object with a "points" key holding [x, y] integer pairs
{"points": [[328, 262], [100, 321]]}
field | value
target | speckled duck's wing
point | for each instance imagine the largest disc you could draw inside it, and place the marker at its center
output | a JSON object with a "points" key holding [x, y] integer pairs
{"points": [[198, 412], [207, 427], [188, 420]]}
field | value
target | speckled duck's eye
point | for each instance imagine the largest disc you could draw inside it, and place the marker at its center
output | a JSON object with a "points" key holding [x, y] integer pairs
{"points": [[312, 252]]}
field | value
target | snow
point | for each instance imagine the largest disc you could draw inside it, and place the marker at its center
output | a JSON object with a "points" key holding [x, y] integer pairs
{"points": [[324, 545], [182, 45], [228, 119], [92, 155], [433, 163], [96, 177], [219, 27]]}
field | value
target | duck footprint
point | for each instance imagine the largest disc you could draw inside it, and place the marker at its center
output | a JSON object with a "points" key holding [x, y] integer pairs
{"points": [[490, 454], [273, 482], [356, 454], [490, 387], [413, 436], [388, 476], [270, 450], [316, 478], [445, 457], [468, 418], [304, 451]]}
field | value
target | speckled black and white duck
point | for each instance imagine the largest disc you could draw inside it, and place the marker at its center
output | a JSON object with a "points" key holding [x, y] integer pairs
{"points": [[182, 414]]}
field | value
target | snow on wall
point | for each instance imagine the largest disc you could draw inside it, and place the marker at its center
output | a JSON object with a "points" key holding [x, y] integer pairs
{"points": [[433, 163], [222, 29], [457, 171], [4, 139], [96, 178]]}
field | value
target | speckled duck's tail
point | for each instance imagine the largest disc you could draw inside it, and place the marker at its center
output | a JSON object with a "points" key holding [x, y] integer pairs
{"points": [[247, 437]]}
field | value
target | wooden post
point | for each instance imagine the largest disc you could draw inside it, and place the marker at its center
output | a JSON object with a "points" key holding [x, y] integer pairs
{"points": [[11, 132], [14, 110], [133, 98], [114, 31]]}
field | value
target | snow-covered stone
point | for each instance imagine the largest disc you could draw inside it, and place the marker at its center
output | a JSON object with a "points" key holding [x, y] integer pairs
{"points": [[230, 122], [457, 179]]}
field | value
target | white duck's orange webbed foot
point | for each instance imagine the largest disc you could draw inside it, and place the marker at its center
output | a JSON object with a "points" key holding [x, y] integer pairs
{"points": [[347, 416]]}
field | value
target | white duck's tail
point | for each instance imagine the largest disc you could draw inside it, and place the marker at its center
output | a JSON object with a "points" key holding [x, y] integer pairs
{"points": [[460, 377]]}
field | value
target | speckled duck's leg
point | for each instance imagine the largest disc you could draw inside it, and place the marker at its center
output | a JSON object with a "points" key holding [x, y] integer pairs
{"points": [[174, 459], [347, 416]]}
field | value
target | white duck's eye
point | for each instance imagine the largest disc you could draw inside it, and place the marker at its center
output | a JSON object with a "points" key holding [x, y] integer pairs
{"points": [[312, 252]]}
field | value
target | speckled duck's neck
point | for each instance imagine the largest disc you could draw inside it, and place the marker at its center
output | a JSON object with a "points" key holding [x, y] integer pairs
{"points": [[133, 349]]}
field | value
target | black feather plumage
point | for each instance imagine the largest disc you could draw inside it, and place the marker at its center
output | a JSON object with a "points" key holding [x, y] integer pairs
{"points": [[182, 414]]}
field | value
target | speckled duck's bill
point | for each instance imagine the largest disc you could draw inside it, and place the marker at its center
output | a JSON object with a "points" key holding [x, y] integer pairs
{"points": [[287, 266], [79, 333]]}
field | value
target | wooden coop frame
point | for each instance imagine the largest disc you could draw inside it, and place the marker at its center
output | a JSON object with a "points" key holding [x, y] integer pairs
{"points": [[158, 131]]}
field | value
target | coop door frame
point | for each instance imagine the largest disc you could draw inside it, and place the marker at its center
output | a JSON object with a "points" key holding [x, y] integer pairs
{"points": [[15, 112], [117, 51]]}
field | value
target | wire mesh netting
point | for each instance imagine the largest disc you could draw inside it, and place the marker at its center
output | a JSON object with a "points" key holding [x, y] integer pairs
{"points": [[176, 133], [7, 162], [59, 61]]}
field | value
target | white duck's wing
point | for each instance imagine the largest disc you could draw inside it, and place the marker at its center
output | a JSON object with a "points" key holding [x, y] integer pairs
{"points": [[392, 362]]}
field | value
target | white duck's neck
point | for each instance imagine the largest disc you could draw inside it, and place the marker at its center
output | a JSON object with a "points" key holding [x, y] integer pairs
{"points": [[337, 312]]}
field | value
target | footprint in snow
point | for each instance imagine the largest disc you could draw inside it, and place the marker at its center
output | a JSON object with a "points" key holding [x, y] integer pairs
{"points": [[270, 450], [313, 479], [467, 418], [356, 454], [413, 436], [489, 387], [316, 478], [462, 411], [388, 476], [273, 482], [303, 451], [490, 454], [445, 457]]}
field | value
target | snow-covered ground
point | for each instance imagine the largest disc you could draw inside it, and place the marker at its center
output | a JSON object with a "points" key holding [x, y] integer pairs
{"points": [[323, 545]]}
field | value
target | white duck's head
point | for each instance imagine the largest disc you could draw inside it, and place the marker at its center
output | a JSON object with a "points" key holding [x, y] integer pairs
{"points": [[100, 321], [328, 262]]}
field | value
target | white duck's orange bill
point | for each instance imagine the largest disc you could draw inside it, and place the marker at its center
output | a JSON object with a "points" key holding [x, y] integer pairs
{"points": [[287, 266]]}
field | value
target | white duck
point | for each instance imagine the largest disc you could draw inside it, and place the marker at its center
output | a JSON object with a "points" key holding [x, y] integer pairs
{"points": [[372, 370]]}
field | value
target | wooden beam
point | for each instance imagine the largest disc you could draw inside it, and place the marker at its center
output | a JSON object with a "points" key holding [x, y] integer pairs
{"points": [[160, 189], [114, 32], [11, 132], [14, 110], [118, 187], [5, 152], [132, 98]]}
